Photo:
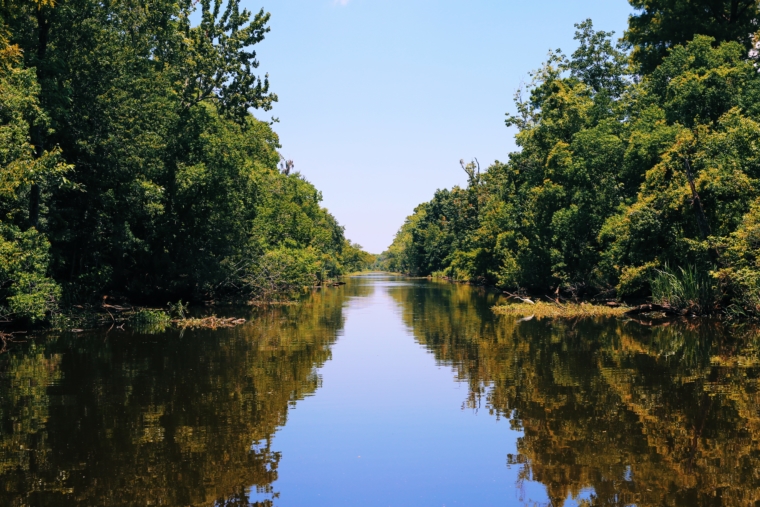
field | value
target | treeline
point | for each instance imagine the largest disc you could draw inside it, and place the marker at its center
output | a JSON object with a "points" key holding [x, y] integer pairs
{"points": [[637, 171], [133, 167]]}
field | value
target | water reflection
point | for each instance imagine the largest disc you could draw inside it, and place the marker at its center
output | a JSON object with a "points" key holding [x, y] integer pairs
{"points": [[612, 412], [609, 412], [170, 419]]}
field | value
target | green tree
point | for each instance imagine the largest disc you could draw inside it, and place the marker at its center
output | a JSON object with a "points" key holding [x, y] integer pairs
{"points": [[616, 179], [660, 25], [176, 192], [26, 290]]}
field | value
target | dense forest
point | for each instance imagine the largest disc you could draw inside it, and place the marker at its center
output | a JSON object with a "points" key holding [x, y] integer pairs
{"points": [[133, 167], [636, 173]]}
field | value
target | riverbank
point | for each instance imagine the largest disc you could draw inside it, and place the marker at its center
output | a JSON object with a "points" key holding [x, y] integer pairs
{"points": [[680, 304]]}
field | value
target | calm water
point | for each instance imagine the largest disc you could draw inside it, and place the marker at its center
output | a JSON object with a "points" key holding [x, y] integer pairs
{"points": [[385, 392]]}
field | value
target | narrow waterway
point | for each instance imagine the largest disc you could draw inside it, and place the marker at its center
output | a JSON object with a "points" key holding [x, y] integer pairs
{"points": [[385, 392]]}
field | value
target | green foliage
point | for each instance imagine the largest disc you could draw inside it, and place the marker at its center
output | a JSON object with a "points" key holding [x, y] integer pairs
{"points": [[26, 291], [355, 259], [597, 62], [282, 272], [660, 25], [686, 288], [127, 141], [178, 309], [150, 321], [615, 180], [740, 256], [534, 221]]}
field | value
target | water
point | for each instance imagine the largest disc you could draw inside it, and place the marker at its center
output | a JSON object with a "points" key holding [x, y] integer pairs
{"points": [[385, 392]]}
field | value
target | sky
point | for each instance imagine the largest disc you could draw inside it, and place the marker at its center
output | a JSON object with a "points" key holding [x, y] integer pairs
{"points": [[380, 99]]}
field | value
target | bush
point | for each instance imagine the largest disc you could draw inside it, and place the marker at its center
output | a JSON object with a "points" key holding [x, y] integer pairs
{"points": [[26, 292], [279, 273], [151, 321]]}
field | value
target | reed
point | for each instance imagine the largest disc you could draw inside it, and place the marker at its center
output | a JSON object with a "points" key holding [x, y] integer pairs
{"points": [[684, 289]]}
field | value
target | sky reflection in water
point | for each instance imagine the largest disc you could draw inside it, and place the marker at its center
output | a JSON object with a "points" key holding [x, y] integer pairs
{"points": [[385, 392]]}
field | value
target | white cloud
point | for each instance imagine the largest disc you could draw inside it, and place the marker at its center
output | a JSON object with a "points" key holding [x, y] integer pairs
{"points": [[341, 2]]}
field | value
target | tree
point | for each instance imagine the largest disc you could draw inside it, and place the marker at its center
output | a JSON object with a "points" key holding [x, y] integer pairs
{"points": [[175, 189], [597, 62], [660, 25]]}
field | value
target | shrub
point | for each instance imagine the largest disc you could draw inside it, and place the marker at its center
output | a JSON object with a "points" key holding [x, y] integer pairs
{"points": [[26, 292], [279, 273]]}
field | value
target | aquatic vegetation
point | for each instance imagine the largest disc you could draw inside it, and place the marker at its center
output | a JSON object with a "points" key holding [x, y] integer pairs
{"points": [[150, 320], [685, 289], [210, 322], [544, 309]]}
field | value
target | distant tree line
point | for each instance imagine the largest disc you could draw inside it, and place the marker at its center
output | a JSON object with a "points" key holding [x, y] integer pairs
{"points": [[638, 171], [132, 165]]}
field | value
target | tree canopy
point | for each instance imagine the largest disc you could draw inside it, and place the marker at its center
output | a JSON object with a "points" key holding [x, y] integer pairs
{"points": [[660, 25], [133, 165], [620, 180]]}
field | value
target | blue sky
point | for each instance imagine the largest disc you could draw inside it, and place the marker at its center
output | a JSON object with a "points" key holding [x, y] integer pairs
{"points": [[380, 99]]}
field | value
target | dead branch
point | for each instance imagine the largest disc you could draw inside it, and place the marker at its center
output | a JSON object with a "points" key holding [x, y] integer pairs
{"points": [[652, 308]]}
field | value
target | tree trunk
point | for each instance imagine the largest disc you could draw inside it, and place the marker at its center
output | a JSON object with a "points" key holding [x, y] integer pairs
{"points": [[699, 211], [704, 227], [34, 206], [734, 11], [38, 134]]}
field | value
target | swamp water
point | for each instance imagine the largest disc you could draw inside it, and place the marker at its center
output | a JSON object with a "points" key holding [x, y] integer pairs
{"points": [[385, 392]]}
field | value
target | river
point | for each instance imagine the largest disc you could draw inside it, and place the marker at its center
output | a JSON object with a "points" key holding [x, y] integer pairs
{"points": [[385, 392]]}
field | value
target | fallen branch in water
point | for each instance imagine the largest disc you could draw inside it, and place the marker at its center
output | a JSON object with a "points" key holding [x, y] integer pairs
{"points": [[521, 299], [6, 338], [655, 308]]}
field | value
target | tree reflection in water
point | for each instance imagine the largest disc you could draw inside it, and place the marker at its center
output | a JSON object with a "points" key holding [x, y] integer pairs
{"points": [[169, 419], [611, 412], [637, 415]]}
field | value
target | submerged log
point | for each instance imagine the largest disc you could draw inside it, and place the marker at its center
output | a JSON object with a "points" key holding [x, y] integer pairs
{"points": [[651, 308]]}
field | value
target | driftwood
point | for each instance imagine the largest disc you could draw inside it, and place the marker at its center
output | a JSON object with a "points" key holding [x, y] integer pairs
{"points": [[515, 296], [118, 308], [212, 322], [651, 308], [6, 338], [653, 323]]}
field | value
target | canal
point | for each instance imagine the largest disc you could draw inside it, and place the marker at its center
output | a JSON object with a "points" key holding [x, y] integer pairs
{"points": [[385, 391]]}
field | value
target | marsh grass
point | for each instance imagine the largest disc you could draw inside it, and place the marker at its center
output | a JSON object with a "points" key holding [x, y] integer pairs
{"points": [[542, 310], [684, 289]]}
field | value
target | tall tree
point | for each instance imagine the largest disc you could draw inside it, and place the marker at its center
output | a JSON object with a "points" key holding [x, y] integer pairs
{"points": [[660, 25]]}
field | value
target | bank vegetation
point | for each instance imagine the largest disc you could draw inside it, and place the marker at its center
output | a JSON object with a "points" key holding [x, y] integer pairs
{"points": [[637, 174], [134, 169]]}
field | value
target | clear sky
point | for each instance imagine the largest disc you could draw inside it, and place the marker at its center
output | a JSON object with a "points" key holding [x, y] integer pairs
{"points": [[380, 99]]}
